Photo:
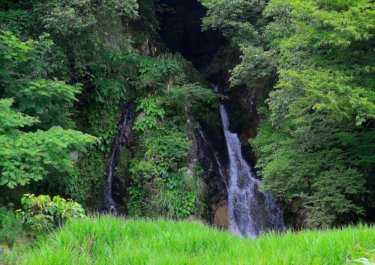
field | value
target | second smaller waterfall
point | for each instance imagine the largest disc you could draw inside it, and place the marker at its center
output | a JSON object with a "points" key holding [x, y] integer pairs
{"points": [[109, 203]]}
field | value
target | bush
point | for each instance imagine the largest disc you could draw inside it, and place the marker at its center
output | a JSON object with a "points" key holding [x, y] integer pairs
{"points": [[43, 214], [10, 227]]}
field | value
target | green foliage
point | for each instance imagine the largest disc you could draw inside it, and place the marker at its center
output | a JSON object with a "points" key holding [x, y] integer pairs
{"points": [[50, 101], [21, 78], [24, 61], [11, 119], [78, 60], [159, 169], [94, 42], [28, 155], [10, 227], [189, 96], [153, 112], [176, 203], [102, 123], [13, 52], [42, 213], [162, 184], [256, 65], [110, 90], [156, 74], [322, 109], [244, 24], [87, 186], [58, 16], [239, 20], [98, 240], [74, 41], [293, 173], [31, 156], [127, 8], [71, 17]]}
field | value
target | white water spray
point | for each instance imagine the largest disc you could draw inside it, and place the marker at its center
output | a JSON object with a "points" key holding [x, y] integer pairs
{"points": [[250, 212]]}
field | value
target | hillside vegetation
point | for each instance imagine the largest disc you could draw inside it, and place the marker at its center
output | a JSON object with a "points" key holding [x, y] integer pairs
{"points": [[109, 107], [108, 240]]}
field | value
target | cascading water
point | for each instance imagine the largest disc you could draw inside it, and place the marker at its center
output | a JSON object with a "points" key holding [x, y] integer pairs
{"points": [[250, 211], [123, 131]]}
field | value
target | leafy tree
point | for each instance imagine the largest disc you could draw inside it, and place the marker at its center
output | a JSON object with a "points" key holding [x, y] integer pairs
{"points": [[243, 23], [21, 78], [71, 17], [322, 110], [27, 157], [239, 20]]}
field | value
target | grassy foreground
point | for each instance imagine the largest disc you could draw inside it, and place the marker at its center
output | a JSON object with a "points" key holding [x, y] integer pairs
{"points": [[108, 240]]}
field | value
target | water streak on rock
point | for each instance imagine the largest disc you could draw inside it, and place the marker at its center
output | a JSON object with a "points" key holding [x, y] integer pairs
{"points": [[123, 132]]}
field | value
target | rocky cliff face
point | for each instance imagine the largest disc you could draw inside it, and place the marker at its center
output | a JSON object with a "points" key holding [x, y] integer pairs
{"points": [[216, 179]]}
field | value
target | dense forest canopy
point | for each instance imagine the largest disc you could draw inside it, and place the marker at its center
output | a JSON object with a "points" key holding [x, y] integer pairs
{"points": [[297, 76]]}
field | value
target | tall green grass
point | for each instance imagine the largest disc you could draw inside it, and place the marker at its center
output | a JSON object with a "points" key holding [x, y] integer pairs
{"points": [[108, 240]]}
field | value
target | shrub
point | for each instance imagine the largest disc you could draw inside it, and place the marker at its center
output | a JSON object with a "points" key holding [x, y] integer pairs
{"points": [[41, 213], [10, 227]]}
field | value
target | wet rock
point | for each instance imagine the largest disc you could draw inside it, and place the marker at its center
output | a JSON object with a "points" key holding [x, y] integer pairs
{"points": [[220, 214]]}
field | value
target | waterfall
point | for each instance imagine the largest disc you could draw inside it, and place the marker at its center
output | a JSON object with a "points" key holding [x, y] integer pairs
{"points": [[123, 131], [250, 211]]}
